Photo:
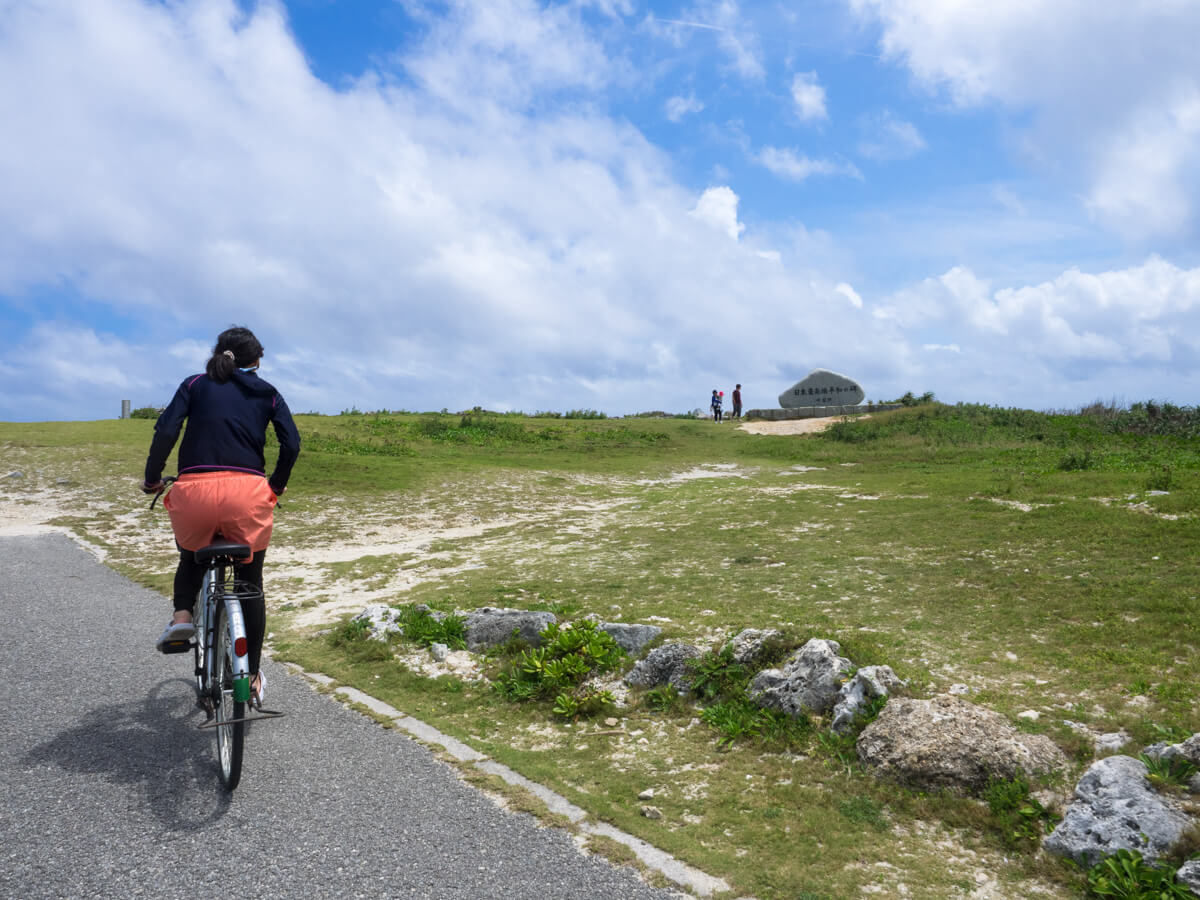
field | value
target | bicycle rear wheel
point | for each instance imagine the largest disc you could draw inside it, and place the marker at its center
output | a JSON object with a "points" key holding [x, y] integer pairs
{"points": [[200, 620], [230, 712]]}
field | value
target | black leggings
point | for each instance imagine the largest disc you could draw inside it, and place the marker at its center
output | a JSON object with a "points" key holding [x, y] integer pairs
{"points": [[190, 576]]}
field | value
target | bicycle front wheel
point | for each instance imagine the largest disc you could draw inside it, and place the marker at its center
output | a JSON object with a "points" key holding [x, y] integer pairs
{"points": [[230, 712]]}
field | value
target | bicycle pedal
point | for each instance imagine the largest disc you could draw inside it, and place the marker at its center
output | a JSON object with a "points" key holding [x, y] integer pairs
{"points": [[177, 646]]}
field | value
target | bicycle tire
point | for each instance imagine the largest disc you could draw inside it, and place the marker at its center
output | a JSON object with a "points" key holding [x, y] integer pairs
{"points": [[230, 713], [200, 619]]}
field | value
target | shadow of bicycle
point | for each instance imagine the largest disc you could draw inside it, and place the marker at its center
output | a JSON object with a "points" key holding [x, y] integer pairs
{"points": [[153, 746]]}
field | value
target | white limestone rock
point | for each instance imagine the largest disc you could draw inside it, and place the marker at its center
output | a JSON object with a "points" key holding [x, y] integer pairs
{"points": [[667, 664], [631, 638], [382, 620], [1115, 808], [949, 743], [489, 627], [809, 682], [748, 645], [868, 683], [1189, 876]]}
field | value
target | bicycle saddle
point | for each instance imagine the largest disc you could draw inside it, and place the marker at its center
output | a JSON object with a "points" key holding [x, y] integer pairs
{"points": [[223, 548]]}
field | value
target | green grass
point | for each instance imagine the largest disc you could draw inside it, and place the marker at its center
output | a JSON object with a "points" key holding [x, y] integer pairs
{"points": [[1029, 555]]}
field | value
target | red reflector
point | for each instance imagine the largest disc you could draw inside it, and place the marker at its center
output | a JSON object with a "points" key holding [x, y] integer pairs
{"points": [[239, 647]]}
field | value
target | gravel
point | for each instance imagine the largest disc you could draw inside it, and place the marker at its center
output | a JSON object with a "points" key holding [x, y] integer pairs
{"points": [[109, 789]]}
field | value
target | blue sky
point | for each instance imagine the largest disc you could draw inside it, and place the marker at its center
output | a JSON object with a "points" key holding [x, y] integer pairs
{"points": [[609, 204]]}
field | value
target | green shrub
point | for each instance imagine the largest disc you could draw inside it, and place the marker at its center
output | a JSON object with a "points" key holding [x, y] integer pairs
{"points": [[1151, 417], [1020, 818], [1126, 875], [584, 414], [1175, 772], [146, 412], [557, 668], [420, 626], [1160, 479], [841, 749], [911, 399], [717, 676], [582, 703], [734, 719], [352, 631], [661, 699], [352, 638], [1078, 461], [740, 719]]}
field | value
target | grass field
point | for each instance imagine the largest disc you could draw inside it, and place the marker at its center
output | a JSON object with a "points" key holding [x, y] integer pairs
{"points": [[1047, 561]]}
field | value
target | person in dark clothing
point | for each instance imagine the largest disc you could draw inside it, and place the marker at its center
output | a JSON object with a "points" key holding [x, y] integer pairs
{"points": [[222, 486], [737, 401]]}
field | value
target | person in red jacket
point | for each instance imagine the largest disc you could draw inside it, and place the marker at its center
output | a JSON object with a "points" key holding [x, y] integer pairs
{"points": [[223, 486]]}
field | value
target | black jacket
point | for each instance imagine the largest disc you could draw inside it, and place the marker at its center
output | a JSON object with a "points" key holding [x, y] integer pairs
{"points": [[226, 428]]}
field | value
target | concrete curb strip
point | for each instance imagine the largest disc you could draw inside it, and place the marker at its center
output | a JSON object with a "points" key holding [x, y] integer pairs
{"points": [[681, 873]]}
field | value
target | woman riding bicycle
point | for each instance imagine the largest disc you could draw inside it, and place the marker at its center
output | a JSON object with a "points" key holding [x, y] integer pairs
{"points": [[222, 486]]}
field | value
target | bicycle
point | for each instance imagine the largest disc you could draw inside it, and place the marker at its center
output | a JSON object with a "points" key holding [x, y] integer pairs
{"points": [[220, 650]]}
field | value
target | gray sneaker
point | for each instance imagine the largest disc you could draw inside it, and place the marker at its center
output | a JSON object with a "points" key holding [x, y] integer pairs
{"points": [[175, 632]]}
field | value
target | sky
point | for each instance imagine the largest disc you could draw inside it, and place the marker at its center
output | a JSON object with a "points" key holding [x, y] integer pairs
{"points": [[599, 204]]}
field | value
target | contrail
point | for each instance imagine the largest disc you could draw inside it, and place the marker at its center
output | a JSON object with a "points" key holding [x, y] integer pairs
{"points": [[692, 24], [707, 27]]}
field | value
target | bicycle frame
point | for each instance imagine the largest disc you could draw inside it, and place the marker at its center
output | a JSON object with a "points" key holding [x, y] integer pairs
{"points": [[221, 650], [213, 591]]}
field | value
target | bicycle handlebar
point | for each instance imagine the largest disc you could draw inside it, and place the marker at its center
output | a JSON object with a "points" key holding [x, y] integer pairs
{"points": [[166, 483]]}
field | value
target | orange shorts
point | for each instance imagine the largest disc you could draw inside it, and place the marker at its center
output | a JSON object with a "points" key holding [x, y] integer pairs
{"points": [[236, 505]]}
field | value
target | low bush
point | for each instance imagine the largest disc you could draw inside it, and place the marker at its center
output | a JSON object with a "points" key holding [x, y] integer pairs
{"points": [[420, 626], [1168, 773], [717, 676], [556, 669], [1126, 875], [1021, 820], [740, 718], [584, 414]]}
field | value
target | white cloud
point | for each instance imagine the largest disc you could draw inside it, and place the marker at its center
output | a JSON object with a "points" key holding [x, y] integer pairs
{"points": [[435, 242], [718, 207], [1112, 88], [809, 97], [888, 137], [797, 167], [677, 107], [506, 51], [1131, 332], [394, 244], [735, 35], [1146, 177], [850, 294]]}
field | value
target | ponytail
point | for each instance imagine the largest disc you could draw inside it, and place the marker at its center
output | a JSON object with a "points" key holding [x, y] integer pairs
{"points": [[235, 348]]}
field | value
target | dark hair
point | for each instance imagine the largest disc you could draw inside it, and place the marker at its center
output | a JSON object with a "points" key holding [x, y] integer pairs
{"points": [[244, 346]]}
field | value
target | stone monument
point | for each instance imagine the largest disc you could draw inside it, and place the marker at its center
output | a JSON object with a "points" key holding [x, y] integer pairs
{"points": [[820, 387]]}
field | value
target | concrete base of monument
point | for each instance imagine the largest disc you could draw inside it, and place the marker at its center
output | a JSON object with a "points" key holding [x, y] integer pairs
{"points": [[818, 412]]}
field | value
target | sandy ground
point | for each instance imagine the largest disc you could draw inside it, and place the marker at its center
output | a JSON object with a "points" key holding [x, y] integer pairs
{"points": [[793, 426], [20, 518]]}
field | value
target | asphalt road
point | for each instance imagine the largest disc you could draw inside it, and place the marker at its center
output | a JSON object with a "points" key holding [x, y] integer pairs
{"points": [[108, 790]]}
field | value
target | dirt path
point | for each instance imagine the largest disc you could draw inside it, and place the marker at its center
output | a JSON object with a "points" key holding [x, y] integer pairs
{"points": [[793, 426]]}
